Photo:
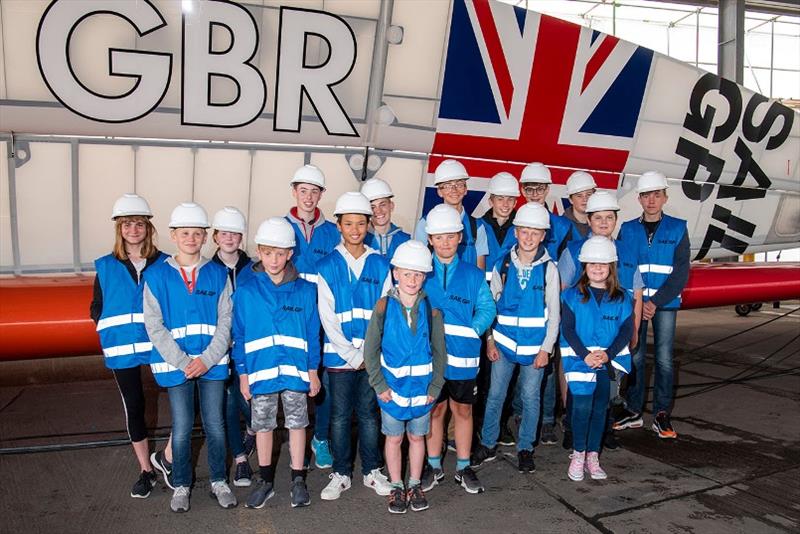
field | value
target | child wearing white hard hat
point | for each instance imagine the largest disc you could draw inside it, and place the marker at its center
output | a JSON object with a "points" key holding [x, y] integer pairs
{"points": [[580, 186], [406, 332], [384, 236], [277, 351]]}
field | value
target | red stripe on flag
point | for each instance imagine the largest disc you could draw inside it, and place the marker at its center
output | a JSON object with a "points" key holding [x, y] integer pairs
{"points": [[597, 60], [495, 49]]}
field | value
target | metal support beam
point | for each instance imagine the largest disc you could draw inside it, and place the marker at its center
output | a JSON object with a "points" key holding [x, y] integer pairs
{"points": [[730, 50]]}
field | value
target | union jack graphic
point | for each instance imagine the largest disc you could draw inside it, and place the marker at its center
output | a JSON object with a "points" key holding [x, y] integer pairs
{"points": [[520, 87]]}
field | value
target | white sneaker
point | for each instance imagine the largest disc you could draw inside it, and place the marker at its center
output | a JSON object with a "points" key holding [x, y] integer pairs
{"points": [[378, 481], [223, 493], [335, 487]]}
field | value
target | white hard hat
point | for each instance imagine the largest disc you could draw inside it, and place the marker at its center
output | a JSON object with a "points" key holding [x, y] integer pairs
{"points": [[602, 201], [598, 249], [449, 170], [536, 173], [443, 219], [533, 215], [651, 181], [275, 232], [130, 204], [309, 174], [229, 219], [413, 255], [352, 202], [580, 181], [376, 188], [188, 215], [503, 184]]}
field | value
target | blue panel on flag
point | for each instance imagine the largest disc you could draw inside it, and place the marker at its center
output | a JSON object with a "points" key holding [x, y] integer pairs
{"points": [[432, 199], [520, 14], [466, 93], [595, 34], [618, 110]]}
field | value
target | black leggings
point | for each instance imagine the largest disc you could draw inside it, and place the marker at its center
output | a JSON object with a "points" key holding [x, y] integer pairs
{"points": [[129, 382]]}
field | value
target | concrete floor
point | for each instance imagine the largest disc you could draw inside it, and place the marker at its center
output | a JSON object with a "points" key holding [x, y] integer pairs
{"points": [[734, 468]]}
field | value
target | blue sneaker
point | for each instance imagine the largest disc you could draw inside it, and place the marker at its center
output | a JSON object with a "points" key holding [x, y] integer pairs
{"points": [[322, 453]]}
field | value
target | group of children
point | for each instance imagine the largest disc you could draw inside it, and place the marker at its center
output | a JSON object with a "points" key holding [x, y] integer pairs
{"points": [[371, 325]]}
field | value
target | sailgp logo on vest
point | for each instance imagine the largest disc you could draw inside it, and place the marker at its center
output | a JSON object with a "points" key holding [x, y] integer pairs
{"points": [[320, 252], [666, 241], [610, 317], [462, 300], [288, 308], [368, 280], [205, 292]]}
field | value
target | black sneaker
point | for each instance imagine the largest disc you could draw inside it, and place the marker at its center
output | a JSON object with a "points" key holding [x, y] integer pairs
{"points": [[398, 503], [141, 489], [299, 493], [249, 443], [431, 476], [416, 499], [610, 441], [469, 480], [628, 419], [525, 462], [566, 443], [243, 476], [160, 462], [260, 495], [548, 435], [506, 438], [663, 427], [482, 455]]}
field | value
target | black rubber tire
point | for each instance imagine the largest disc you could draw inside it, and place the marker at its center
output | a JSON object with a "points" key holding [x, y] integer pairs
{"points": [[756, 306], [743, 309]]}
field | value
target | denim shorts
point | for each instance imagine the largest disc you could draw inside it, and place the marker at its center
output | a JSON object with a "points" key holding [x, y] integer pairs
{"points": [[395, 427]]}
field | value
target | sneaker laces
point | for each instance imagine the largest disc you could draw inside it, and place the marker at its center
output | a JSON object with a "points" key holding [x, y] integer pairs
{"points": [[220, 486], [181, 491]]}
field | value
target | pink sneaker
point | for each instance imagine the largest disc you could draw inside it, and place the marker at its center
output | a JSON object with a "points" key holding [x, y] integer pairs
{"points": [[593, 466], [575, 471]]}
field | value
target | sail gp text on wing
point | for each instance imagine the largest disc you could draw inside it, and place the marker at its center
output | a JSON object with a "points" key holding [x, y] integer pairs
{"points": [[152, 70]]}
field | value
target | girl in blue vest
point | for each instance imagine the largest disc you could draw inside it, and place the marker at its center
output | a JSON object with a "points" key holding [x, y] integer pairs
{"points": [[117, 310], [459, 289], [384, 235], [229, 226], [187, 313], [525, 285], [276, 349], [404, 354], [351, 280], [315, 238], [450, 179], [596, 327]]}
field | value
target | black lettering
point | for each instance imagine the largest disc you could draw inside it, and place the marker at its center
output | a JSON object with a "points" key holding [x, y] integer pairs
{"points": [[756, 133], [698, 156], [700, 121]]}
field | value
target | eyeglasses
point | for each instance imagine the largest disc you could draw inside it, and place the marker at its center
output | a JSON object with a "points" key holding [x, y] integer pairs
{"points": [[535, 189], [453, 186]]}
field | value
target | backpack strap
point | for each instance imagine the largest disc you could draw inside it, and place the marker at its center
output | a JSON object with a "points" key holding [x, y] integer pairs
{"points": [[504, 267], [473, 227], [380, 307]]}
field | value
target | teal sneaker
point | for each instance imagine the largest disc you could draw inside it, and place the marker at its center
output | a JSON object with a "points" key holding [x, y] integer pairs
{"points": [[322, 453]]}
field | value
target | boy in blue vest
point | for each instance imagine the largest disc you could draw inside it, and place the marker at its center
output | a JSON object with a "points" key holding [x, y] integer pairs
{"points": [[459, 289], [580, 186], [450, 179], [315, 238], [662, 245], [384, 235], [187, 314], [404, 354], [277, 351], [525, 285], [351, 280], [536, 180]]}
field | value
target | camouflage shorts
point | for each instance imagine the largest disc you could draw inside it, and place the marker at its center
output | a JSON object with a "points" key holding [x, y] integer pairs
{"points": [[264, 410]]}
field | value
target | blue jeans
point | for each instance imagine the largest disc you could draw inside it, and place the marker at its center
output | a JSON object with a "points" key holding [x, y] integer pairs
{"points": [[419, 426], [664, 334], [589, 416], [235, 405], [322, 402], [350, 392], [181, 405], [529, 385], [549, 395]]}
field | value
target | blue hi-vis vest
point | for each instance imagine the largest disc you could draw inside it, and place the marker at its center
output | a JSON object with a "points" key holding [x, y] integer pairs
{"points": [[388, 243], [406, 362], [597, 326], [190, 317], [497, 250], [457, 304], [466, 249], [354, 299], [521, 322], [279, 331], [307, 254], [560, 228], [655, 259], [121, 324]]}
